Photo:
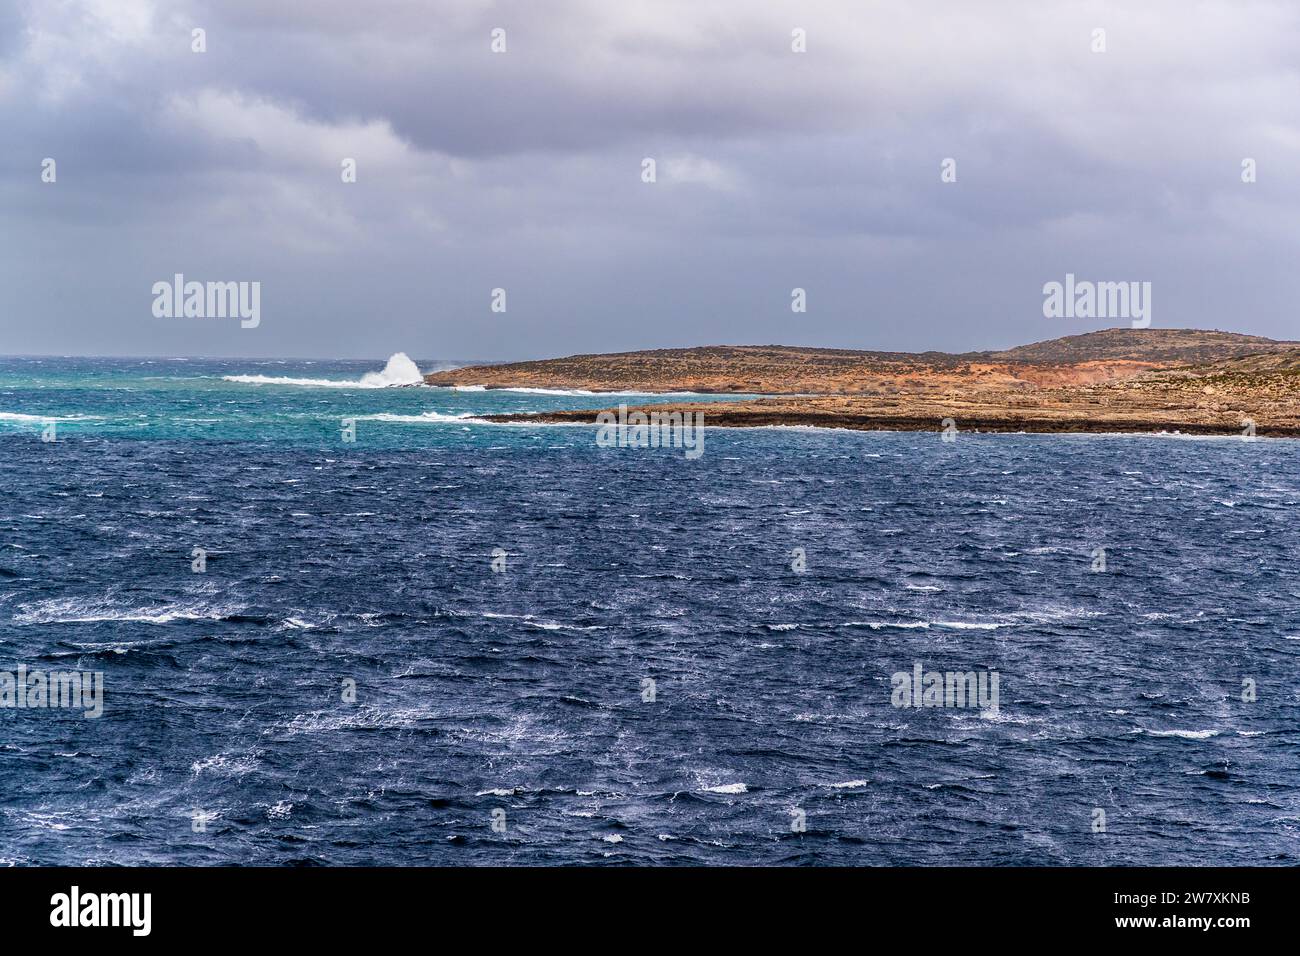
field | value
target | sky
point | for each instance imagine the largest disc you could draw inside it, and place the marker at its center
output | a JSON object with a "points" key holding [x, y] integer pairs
{"points": [[523, 170]]}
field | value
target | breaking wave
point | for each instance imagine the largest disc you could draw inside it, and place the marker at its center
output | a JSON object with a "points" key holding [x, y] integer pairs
{"points": [[41, 419], [399, 370], [90, 611], [422, 418]]}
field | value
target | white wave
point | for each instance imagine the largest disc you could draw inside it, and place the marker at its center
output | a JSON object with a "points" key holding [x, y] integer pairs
{"points": [[399, 370], [49, 821], [369, 718], [847, 784], [225, 765], [463, 418], [41, 419], [557, 626], [531, 621], [424, 418], [877, 625], [116, 647], [969, 625], [1186, 734], [89, 612], [532, 390], [728, 788], [285, 380]]}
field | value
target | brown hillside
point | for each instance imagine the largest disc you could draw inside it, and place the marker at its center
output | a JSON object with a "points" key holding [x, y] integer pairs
{"points": [[1108, 355]]}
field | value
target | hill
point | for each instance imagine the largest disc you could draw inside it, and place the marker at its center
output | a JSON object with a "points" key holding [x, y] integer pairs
{"points": [[1103, 356]]}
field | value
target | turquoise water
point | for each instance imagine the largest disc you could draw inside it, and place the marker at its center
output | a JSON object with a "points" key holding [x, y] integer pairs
{"points": [[272, 401]]}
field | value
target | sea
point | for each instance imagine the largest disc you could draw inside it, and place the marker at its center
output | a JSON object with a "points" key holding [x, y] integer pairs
{"points": [[339, 619]]}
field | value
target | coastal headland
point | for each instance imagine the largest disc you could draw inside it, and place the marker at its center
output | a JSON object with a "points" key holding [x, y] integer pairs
{"points": [[1191, 381]]}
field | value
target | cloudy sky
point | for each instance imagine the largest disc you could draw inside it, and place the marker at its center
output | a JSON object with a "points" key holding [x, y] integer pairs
{"points": [[522, 170]]}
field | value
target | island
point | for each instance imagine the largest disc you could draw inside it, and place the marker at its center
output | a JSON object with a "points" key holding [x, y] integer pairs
{"points": [[1191, 381]]}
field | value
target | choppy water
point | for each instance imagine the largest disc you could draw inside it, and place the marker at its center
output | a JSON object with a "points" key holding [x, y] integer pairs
{"points": [[523, 691]]}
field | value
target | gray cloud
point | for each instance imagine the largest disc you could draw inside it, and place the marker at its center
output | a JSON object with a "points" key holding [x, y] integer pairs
{"points": [[522, 170]]}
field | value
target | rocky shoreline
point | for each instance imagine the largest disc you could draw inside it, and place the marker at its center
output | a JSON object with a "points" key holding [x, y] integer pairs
{"points": [[721, 416]]}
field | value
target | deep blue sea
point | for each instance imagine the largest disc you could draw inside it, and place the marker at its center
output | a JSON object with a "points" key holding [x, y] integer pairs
{"points": [[645, 677]]}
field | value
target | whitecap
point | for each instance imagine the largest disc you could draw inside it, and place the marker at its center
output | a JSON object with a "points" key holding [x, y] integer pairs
{"points": [[399, 370], [877, 625], [224, 765], [42, 419], [371, 718], [89, 612], [557, 626], [424, 418], [728, 788], [286, 380]]}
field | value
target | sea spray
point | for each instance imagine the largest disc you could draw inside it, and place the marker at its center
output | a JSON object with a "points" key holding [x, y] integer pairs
{"points": [[399, 370]]}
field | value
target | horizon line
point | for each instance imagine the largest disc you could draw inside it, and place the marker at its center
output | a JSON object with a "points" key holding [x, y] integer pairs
{"points": [[661, 348]]}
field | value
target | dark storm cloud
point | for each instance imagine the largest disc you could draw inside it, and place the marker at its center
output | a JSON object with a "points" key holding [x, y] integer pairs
{"points": [[522, 170]]}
